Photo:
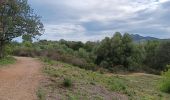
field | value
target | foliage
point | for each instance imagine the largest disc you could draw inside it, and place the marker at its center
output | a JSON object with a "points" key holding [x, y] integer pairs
{"points": [[144, 87], [27, 38], [116, 54], [17, 19], [7, 60], [115, 51], [67, 82], [151, 48], [41, 94], [136, 86], [163, 56], [165, 81], [77, 74]]}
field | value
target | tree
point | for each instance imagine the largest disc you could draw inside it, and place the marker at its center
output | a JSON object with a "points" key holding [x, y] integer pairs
{"points": [[89, 46], [116, 53], [17, 19], [102, 51], [162, 56], [110, 51], [151, 48], [128, 50], [27, 38]]}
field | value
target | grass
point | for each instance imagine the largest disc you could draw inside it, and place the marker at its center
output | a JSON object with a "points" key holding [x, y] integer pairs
{"points": [[164, 83], [41, 94], [86, 77], [87, 85], [145, 87], [6, 61]]}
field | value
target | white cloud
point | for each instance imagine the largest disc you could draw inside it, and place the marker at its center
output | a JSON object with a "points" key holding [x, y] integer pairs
{"points": [[66, 18], [64, 29]]}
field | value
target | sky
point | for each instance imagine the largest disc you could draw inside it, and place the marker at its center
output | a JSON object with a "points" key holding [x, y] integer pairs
{"points": [[91, 20]]}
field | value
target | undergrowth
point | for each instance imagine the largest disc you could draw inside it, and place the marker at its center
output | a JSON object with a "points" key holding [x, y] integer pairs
{"points": [[7, 60]]}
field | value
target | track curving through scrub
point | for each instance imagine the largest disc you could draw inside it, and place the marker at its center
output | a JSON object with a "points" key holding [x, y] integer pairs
{"points": [[20, 81]]}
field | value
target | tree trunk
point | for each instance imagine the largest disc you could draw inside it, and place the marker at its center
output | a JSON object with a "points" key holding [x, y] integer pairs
{"points": [[2, 47]]}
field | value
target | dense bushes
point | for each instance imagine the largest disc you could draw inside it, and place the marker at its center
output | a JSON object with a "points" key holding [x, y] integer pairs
{"points": [[163, 56], [165, 82], [118, 53], [56, 51], [7, 60], [67, 82], [157, 55]]}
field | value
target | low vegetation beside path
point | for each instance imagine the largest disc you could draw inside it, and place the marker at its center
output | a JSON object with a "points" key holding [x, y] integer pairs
{"points": [[7, 60], [69, 82]]}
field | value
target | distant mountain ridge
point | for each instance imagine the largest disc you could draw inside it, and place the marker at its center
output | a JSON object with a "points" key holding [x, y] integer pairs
{"points": [[139, 38]]}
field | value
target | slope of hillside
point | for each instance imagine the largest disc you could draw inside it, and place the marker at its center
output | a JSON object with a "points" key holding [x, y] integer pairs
{"points": [[90, 85], [139, 38]]}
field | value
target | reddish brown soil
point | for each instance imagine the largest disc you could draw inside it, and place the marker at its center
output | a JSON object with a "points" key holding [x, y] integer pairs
{"points": [[21, 80]]}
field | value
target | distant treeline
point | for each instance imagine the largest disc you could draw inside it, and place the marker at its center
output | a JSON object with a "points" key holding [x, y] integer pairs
{"points": [[116, 54]]}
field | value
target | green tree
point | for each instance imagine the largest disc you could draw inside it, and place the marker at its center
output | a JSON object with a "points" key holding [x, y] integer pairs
{"points": [[110, 51], [138, 56], [102, 51], [27, 38], [128, 50], [17, 19], [164, 84], [89, 46], [151, 48], [162, 56], [116, 53]]}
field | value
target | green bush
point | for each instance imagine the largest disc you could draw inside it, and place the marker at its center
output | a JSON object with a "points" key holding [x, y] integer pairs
{"points": [[41, 94], [165, 81], [7, 60], [67, 82]]}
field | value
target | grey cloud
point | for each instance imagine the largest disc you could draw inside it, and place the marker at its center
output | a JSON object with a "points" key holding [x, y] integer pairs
{"points": [[96, 18]]}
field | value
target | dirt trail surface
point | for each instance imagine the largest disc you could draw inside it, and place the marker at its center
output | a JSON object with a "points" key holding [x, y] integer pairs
{"points": [[20, 81]]}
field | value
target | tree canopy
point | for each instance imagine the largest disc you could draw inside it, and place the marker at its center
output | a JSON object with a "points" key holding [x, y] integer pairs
{"points": [[17, 19]]}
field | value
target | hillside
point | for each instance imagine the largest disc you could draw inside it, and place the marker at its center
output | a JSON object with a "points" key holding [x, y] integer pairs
{"points": [[139, 38], [88, 85]]}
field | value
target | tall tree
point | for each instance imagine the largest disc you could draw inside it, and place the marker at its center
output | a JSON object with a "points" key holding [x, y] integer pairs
{"points": [[163, 56], [116, 49], [151, 49], [102, 51], [17, 19], [128, 50]]}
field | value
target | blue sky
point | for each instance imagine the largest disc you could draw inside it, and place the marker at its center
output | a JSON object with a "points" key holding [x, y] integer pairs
{"points": [[92, 20]]}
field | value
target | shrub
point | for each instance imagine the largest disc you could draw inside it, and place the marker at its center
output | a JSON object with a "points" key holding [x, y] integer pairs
{"points": [[67, 82], [165, 81], [7, 60], [41, 94], [25, 52]]}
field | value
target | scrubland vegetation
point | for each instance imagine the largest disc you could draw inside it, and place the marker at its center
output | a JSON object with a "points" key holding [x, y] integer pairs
{"points": [[165, 81], [116, 54], [98, 70], [86, 84], [81, 70], [6, 61]]}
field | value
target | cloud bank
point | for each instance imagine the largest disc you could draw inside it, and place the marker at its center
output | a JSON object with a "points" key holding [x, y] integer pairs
{"points": [[84, 20]]}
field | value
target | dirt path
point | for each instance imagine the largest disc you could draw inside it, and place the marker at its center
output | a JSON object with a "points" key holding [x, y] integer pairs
{"points": [[20, 81]]}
